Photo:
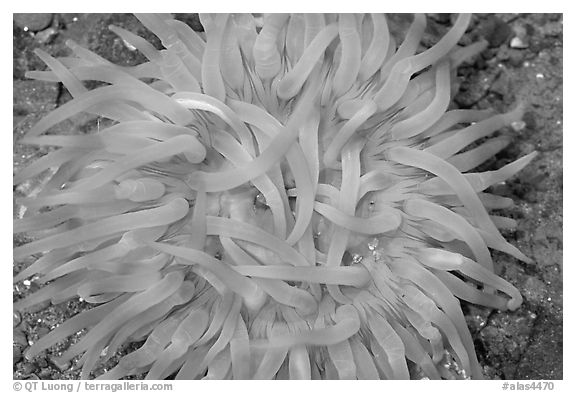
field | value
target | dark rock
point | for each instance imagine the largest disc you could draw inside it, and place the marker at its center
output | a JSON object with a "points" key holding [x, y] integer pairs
{"points": [[19, 338], [476, 318], [501, 85], [494, 30], [472, 90], [530, 120], [440, 18], [42, 363], [42, 331], [516, 58], [33, 22], [29, 368], [16, 354]]}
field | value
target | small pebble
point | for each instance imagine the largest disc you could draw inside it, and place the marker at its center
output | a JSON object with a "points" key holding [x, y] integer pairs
{"points": [[16, 319], [58, 362], [372, 244], [45, 36], [518, 125], [260, 201], [518, 43], [33, 22], [516, 58], [544, 56], [45, 374]]}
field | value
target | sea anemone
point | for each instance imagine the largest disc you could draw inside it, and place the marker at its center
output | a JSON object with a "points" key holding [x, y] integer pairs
{"points": [[291, 199]]}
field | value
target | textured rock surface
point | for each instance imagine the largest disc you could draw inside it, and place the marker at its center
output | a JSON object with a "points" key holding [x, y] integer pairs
{"points": [[523, 63]]}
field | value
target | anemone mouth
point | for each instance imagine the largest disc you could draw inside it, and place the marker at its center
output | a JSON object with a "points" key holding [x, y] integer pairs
{"points": [[289, 201]]}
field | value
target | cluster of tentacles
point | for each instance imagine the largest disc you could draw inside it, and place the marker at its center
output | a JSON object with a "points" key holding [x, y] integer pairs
{"points": [[291, 199]]}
